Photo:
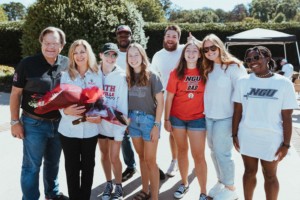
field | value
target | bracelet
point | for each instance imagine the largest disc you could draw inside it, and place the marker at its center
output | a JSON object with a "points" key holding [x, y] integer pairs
{"points": [[167, 120], [234, 135], [285, 145]]}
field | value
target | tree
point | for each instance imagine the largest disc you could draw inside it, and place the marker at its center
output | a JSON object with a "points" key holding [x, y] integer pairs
{"points": [[92, 20], [3, 16], [15, 11], [151, 10], [166, 6], [238, 13], [193, 16], [223, 15], [280, 17], [263, 10], [288, 8]]}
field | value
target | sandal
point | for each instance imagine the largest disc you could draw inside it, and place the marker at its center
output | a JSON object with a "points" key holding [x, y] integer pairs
{"points": [[141, 195]]}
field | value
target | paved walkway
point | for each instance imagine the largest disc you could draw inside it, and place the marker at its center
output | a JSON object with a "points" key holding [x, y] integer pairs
{"points": [[11, 152]]}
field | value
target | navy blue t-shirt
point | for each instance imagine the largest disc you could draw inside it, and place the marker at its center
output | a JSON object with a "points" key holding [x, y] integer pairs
{"points": [[36, 76]]}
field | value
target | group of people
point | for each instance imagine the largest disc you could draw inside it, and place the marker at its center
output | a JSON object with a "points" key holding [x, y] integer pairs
{"points": [[201, 90]]}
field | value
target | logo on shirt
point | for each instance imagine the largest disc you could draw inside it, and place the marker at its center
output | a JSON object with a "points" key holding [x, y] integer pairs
{"points": [[192, 84], [261, 93], [109, 91], [91, 82], [15, 78]]}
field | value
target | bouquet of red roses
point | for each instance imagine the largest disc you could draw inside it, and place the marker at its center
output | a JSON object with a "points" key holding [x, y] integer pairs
{"points": [[92, 98]]}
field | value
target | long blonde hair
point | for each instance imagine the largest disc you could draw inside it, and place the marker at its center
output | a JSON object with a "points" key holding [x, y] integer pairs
{"points": [[92, 63], [144, 74], [225, 57]]}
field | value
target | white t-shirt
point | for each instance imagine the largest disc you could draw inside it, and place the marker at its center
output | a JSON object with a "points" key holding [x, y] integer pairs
{"points": [[164, 61], [288, 70], [219, 89], [121, 60], [260, 130]]}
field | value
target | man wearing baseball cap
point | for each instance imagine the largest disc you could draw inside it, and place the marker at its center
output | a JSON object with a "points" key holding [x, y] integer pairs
{"points": [[123, 33]]}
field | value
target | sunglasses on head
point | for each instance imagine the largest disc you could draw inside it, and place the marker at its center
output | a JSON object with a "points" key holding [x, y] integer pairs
{"points": [[212, 48], [107, 54], [250, 59]]}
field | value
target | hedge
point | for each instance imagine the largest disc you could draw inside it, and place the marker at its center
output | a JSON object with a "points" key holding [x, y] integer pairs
{"points": [[10, 34], [10, 46]]}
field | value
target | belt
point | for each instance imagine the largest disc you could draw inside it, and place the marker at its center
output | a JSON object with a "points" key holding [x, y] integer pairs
{"points": [[39, 118]]}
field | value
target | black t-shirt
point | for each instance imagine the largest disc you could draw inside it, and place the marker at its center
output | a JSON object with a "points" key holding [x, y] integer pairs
{"points": [[36, 76]]}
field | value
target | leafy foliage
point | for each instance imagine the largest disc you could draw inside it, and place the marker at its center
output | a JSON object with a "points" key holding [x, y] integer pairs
{"points": [[92, 20], [152, 10], [15, 11], [3, 16]]}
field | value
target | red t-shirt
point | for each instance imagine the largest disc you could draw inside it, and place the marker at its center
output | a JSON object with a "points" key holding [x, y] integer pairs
{"points": [[188, 101]]}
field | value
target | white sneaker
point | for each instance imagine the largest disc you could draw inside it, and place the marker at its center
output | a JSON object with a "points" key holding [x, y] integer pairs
{"points": [[226, 194], [216, 189], [173, 168]]}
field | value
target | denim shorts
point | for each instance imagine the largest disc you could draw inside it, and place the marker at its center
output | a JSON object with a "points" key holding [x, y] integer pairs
{"points": [[140, 125], [192, 125]]}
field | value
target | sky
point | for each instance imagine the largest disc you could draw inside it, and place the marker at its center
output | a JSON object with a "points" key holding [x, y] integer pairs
{"points": [[226, 5]]}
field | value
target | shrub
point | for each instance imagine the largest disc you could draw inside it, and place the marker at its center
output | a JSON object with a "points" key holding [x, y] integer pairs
{"points": [[10, 46], [92, 20], [6, 74]]}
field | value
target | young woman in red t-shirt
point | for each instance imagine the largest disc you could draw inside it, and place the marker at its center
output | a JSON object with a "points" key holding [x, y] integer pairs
{"points": [[184, 115]]}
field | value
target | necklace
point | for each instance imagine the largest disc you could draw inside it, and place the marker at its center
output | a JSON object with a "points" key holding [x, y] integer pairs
{"points": [[265, 75]]}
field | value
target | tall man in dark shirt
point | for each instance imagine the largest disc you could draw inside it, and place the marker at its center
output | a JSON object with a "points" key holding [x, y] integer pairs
{"points": [[34, 76]]}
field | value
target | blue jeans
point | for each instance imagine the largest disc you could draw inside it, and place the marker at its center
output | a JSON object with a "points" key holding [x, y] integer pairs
{"points": [[41, 142], [219, 132], [127, 151], [140, 125]]}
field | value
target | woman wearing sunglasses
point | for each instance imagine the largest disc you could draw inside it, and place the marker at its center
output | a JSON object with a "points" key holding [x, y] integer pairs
{"points": [[262, 120], [222, 71], [111, 135]]}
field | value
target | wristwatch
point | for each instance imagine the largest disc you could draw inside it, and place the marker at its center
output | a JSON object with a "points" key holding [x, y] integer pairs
{"points": [[14, 122], [157, 124], [286, 145]]}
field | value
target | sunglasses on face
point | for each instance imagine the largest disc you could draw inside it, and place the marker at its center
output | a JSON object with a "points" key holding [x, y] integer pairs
{"points": [[107, 55], [251, 59], [212, 48]]}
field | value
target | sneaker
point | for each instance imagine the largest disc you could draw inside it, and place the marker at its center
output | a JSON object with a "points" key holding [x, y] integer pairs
{"points": [[107, 191], [216, 189], [227, 194], [60, 196], [203, 197], [182, 189], [162, 175], [173, 168], [118, 192], [128, 173]]}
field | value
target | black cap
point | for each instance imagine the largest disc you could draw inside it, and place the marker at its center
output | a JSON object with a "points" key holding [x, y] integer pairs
{"points": [[109, 47], [123, 28]]}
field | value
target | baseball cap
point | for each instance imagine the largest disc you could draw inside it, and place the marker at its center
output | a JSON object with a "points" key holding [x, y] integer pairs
{"points": [[109, 47], [123, 28]]}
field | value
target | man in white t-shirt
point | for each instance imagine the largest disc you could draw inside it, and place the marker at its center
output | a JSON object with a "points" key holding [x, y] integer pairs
{"points": [[123, 34], [287, 69], [163, 62], [124, 38]]}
